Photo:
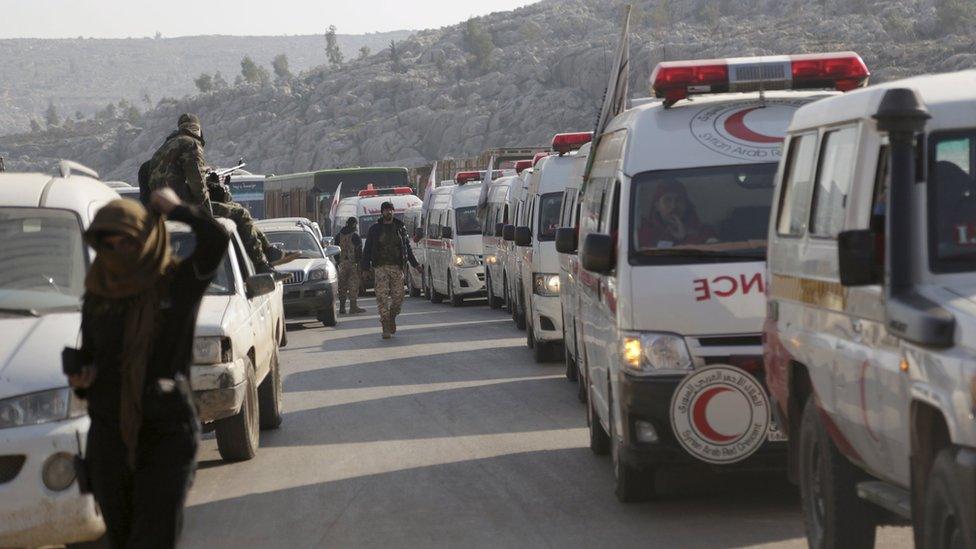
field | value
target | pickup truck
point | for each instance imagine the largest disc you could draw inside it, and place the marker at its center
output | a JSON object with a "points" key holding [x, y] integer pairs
{"points": [[235, 374]]}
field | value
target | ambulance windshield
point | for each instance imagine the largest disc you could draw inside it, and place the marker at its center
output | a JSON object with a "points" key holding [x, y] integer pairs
{"points": [[952, 204], [708, 214], [467, 221]]}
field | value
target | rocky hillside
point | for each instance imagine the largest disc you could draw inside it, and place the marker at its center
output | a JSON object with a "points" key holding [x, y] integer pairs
{"points": [[85, 74], [506, 79]]}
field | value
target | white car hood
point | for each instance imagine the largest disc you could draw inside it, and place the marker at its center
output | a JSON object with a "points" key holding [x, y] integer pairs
{"points": [[30, 351], [303, 265], [696, 300], [217, 312]]}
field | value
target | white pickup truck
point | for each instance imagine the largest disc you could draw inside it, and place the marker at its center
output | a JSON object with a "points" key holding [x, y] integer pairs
{"points": [[235, 374]]}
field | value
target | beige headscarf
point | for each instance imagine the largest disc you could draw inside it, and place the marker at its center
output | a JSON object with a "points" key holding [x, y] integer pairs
{"points": [[134, 278]]}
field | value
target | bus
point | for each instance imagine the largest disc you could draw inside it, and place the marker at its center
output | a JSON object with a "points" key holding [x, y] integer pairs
{"points": [[310, 194]]}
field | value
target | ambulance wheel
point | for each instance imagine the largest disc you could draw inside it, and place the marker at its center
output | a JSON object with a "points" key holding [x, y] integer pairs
{"points": [[269, 395], [414, 291], [425, 283], [599, 439], [833, 514], [493, 302], [572, 372], [947, 522], [630, 484], [329, 317], [434, 296], [519, 316], [505, 295], [530, 339], [581, 385], [456, 300], [237, 435]]}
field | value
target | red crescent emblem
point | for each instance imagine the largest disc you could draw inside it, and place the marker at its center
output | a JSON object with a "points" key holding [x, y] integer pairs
{"points": [[736, 127], [701, 422]]}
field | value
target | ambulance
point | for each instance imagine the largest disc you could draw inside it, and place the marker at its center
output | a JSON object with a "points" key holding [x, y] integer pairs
{"points": [[453, 263], [870, 336], [365, 207], [672, 234], [497, 215], [535, 240], [566, 246], [513, 263]]}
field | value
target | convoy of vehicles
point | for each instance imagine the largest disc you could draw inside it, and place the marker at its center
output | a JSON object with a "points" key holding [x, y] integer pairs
{"points": [[870, 345], [453, 261], [566, 245], [513, 264], [312, 285], [493, 246]]}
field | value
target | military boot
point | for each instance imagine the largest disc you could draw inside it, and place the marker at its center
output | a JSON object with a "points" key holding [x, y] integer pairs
{"points": [[354, 308], [342, 306]]}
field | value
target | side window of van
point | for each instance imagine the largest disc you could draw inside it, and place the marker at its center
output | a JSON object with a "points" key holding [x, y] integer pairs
{"points": [[592, 205], [608, 218], [797, 186], [834, 174]]}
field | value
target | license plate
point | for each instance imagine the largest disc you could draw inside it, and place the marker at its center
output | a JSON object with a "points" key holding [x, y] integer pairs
{"points": [[773, 434]]}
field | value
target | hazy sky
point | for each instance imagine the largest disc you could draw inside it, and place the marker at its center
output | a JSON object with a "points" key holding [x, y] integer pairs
{"points": [[136, 18]]}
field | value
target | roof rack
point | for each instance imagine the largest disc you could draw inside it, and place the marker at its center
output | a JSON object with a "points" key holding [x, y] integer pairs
{"points": [[67, 168]]}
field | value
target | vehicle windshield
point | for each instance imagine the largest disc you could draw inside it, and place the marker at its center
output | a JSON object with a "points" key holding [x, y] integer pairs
{"points": [[299, 241], [184, 243], [467, 220], [952, 204], [711, 214], [367, 221], [549, 210], [42, 260]]}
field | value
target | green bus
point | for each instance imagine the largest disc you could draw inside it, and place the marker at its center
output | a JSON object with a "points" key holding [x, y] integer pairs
{"points": [[310, 194]]}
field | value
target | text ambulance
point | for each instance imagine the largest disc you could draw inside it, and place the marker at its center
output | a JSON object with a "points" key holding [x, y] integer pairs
{"points": [[672, 248], [453, 248]]}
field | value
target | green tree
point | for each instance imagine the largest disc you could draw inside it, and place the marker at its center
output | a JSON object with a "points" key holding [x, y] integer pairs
{"points": [[280, 66], [51, 116], [254, 73], [396, 58], [204, 83], [364, 52], [129, 112], [955, 15], [478, 43], [218, 81], [332, 50]]}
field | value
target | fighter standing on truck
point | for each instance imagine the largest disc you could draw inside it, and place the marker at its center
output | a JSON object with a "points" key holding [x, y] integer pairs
{"points": [[387, 252], [179, 164], [349, 259]]}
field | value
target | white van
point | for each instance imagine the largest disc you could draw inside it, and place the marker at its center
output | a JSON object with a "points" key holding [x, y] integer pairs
{"points": [[365, 207], [535, 239], [566, 246], [673, 245], [870, 339], [513, 263], [497, 215], [454, 267]]}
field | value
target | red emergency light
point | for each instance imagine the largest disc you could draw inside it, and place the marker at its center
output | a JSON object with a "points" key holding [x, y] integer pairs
{"points": [[676, 80], [369, 191], [538, 156], [522, 165], [466, 177], [563, 143]]}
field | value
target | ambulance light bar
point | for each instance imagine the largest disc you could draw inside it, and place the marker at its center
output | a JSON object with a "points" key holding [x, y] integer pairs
{"points": [[538, 157], [676, 80], [562, 143], [370, 191], [466, 177], [522, 165]]}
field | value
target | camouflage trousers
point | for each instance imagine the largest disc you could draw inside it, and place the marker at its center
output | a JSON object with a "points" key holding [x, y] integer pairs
{"points": [[255, 243], [388, 284], [348, 281]]}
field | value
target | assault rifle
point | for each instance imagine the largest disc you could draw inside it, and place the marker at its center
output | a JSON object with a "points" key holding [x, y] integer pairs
{"points": [[219, 174]]}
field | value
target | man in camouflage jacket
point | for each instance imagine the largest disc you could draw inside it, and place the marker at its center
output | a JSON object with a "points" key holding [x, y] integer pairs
{"points": [[179, 164]]}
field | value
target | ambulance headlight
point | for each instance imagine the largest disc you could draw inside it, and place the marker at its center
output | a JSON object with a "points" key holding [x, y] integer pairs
{"points": [[654, 354], [466, 260], [546, 284], [211, 350]]}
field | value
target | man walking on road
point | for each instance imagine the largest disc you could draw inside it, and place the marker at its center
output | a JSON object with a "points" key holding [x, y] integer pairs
{"points": [[179, 164], [349, 259], [387, 253]]}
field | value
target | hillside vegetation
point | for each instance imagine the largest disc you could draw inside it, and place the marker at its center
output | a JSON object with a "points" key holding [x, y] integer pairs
{"points": [[506, 79]]}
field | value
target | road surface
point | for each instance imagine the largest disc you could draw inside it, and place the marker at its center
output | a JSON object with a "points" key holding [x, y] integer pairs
{"points": [[449, 435]]}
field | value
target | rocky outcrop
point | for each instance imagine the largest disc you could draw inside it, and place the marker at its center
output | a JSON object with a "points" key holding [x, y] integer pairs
{"points": [[545, 73]]}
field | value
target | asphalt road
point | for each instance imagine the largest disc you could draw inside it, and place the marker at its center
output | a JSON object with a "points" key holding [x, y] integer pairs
{"points": [[449, 435]]}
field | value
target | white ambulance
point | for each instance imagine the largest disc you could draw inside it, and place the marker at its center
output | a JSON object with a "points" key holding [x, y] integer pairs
{"points": [[672, 250], [870, 339], [567, 243], [453, 249], [497, 216], [513, 264], [535, 240], [365, 207]]}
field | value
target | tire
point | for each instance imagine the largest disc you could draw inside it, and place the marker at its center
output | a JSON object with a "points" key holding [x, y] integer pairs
{"points": [[947, 521], [434, 296], [599, 439], [581, 385], [530, 339], [506, 296], [414, 291], [330, 316], [455, 300], [425, 283], [572, 372], [833, 514], [493, 302], [270, 396], [630, 484], [519, 315], [237, 435]]}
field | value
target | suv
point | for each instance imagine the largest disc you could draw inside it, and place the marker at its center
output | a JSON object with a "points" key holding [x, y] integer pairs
{"points": [[870, 336], [43, 261], [313, 281]]}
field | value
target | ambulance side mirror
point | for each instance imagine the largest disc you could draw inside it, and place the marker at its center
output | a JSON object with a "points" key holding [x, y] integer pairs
{"points": [[332, 250], [260, 284], [447, 233], [523, 236], [508, 233], [499, 229], [857, 254], [566, 240], [597, 253]]}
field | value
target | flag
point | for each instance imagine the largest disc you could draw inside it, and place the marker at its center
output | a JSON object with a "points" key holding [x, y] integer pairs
{"points": [[332, 210], [485, 184], [431, 185], [615, 97]]}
